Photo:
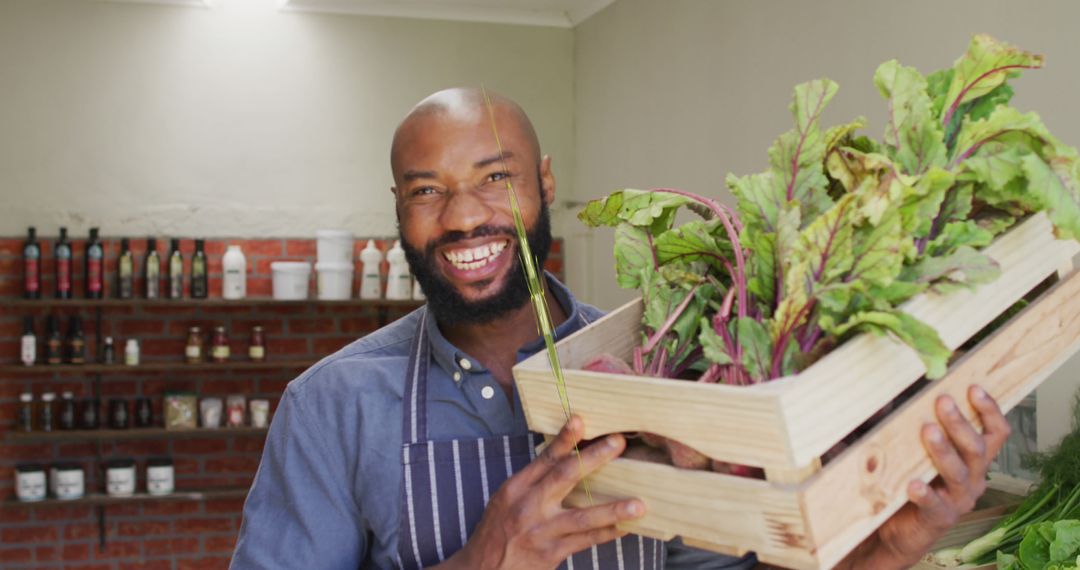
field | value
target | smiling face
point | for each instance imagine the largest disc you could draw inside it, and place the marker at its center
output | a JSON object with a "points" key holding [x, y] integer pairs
{"points": [[454, 215]]}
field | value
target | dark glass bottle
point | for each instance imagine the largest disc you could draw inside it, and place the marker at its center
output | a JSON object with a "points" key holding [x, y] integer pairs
{"points": [[31, 265], [144, 413], [108, 352], [152, 271], [199, 286], [62, 255], [26, 411], [67, 411], [47, 417], [118, 413], [91, 409], [176, 271], [125, 271], [94, 274], [76, 342], [54, 342]]}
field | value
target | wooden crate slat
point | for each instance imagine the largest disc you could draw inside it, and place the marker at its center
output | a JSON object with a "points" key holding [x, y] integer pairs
{"points": [[873, 475]]}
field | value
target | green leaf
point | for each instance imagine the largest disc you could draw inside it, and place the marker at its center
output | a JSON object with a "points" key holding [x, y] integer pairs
{"points": [[760, 265], [796, 157], [1007, 561], [757, 348], [1034, 549], [642, 208], [1066, 543], [987, 64], [912, 135], [693, 241], [911, 331], [711, 343], [1002, 122], [633, 255], [878, 251], [965, 266], [759, 199], [959, 234], [1054, 188]]}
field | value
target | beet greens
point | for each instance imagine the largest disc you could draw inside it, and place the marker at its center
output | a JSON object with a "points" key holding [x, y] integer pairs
{"points": [[842, 229]]}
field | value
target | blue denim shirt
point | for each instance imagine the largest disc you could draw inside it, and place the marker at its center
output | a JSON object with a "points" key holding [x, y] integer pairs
{"points": [[327, 491]]}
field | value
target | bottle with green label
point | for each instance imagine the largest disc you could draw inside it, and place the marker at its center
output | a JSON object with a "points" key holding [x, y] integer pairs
{"points": [[152, 271], [125, 271], [94, 274], [176, 270], [198, 271], [62, 254]]}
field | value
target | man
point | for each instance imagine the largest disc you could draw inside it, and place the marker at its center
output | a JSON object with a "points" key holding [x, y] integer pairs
{"points": [[408, 448]]}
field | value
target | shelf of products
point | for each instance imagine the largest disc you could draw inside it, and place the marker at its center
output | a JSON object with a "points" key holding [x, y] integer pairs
{"points": [[174, 366], [100, 499], [132, 433]]}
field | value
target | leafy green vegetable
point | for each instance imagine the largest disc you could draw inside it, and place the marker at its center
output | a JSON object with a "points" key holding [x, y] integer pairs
{"points": [[841, 229]]}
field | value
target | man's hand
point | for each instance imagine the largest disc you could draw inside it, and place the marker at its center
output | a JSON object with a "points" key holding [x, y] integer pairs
{"points": [[525, 524], [962, 457]]}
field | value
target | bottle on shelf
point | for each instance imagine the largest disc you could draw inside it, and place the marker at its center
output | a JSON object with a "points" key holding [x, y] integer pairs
{"points": [[131, 352], [176, 270], [108, 352], [234, 266], [62, 255], [47, 416], [67, 410], [199, 287], [370, 259], [76, 342], [257, 348], [125, 271], [193, 348], [28, 342], [398, 280], [94, 274], [118, 413], [31, 265], [91, 413], [54, 342], [152, 271], [219, 347], [144, 413], [26, 412]]}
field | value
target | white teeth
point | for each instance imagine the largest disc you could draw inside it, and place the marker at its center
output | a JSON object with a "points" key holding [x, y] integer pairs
{"points": [[474, 258]]}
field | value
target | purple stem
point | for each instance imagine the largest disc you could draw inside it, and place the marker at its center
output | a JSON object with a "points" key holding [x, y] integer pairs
{"points": [[956, 104], [670, 322]]}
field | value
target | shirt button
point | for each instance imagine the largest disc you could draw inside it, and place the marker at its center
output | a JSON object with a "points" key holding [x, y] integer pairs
{"points": [[457, 376], [487, 392], [466, 364]]}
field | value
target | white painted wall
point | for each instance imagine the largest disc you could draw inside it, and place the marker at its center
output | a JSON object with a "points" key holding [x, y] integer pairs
{"points": [[241, 120], [681, 92]]}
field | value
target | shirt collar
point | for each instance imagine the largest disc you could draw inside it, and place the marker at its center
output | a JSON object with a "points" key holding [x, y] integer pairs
{"points": [[457, 364]]}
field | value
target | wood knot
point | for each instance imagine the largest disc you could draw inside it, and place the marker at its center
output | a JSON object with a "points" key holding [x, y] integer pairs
{"points": [[871, 464]]}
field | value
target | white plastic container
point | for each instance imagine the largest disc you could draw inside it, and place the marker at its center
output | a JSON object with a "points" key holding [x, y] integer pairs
{"points": [[334, 280], [334, 246], [398, 280], [290, 280], [371, 258], [234, 266]]}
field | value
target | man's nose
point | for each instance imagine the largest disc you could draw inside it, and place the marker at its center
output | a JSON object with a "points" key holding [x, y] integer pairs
{"points": [[465, 211]]}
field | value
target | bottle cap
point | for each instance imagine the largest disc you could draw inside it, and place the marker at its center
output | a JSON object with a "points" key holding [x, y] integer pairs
{"points": [[93, 233], [151, 244], [67, 394], [132, 343], [28, 325], [48, 396], [63, 233], [199, 243], [125, 243], [26, 397], [32, 232], [108, 340], [174, 243]]}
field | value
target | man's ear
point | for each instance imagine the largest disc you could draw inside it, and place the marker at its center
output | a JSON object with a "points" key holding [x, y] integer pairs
{"points": [[547, 180]]}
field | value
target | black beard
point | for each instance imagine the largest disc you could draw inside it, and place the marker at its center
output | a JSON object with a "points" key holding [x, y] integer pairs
{"points": [[448, 306]]}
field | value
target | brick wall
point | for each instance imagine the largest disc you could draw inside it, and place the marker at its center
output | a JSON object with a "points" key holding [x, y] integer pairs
{"points": [[160, 534]]}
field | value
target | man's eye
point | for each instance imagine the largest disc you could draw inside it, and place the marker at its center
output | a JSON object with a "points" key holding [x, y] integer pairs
{"points": [[423, 191], [497, 176]]}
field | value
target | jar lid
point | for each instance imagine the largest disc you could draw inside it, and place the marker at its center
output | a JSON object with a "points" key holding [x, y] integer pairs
{"points": [[67, 394], [48, 396], [119, 463], [194, 330], [159, 462], [29, 468], [26, 397]]}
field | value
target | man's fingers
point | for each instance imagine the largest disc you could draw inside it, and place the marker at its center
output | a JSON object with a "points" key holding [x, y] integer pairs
{"points": [[576, 521], [557, 449], [995, 427], [968, 443], [565, 475], [574, 543], [933, 510], [944, 456]]}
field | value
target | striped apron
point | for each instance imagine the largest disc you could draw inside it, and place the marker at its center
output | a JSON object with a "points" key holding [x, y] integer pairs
{"points": [[447, 485]]}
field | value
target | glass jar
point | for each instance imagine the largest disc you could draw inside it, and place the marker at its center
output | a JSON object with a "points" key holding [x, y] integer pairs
{"points": [[26, 411], [193, 348], [160, 476], [120, 477], [257, 349], [70, 481], [234, 410], [29, 482], [67, 411], [219, 349]]}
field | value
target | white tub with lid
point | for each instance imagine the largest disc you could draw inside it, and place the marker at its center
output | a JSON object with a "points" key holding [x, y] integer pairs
{"points": [[334, 246], [290, 279], [334, 280]]}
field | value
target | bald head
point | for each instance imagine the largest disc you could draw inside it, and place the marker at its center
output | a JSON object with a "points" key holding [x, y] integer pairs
{"points": [[465, 106]]}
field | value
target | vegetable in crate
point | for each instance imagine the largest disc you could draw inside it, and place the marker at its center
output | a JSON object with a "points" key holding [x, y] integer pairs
{"points": [[842, 229]]}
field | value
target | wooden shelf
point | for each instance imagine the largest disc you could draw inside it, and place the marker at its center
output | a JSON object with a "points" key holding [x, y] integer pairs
{"points": [[92, 499], [208, 303], [170, 366], [133, 433]]}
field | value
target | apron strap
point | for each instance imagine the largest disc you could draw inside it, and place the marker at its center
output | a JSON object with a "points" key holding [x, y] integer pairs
{"points": [[414, 413]]}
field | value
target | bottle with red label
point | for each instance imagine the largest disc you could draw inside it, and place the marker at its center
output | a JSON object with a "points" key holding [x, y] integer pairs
{"points": [[62, 253], [31, 265], [94, 279]]}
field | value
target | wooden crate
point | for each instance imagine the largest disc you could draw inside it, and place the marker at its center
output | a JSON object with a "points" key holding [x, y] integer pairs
{"points": [[801, 517], [991, 508]]}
